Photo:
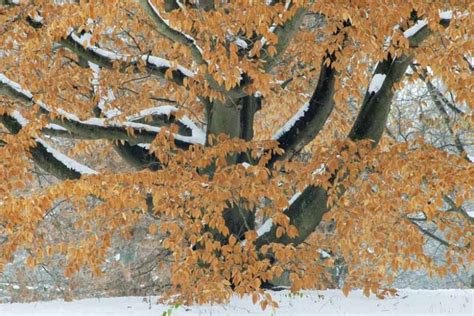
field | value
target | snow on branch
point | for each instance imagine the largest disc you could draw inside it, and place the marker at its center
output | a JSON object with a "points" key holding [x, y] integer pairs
{"points": [[65, 160], [291, 122], [415, 28], [58, 156], [105, 58], [99, 128], [169, 32], [376, 83], [12, 88]]}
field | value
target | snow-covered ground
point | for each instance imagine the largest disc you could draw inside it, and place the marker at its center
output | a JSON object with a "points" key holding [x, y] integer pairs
{"points": [[330, 302]]}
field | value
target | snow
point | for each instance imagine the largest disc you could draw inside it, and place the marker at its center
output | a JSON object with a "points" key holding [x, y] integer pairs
{"points": [[415, 28], [38, 18], [194, 139], [160, 110], [294, 197], [241, 43], [20, 118], [265, 228], [198, 135], [144, 146], [196, 131], [446, 15], [376, 83], [68, 162], [157, 61], [56, 127], [320, 170], [291, 122], [328, 302], [324, 254], [15, 86], [160, 63], [190, 38], [267, 225]]}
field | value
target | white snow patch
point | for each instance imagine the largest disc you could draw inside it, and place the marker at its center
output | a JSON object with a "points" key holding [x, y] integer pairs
{"points": [[241, 43], [246, 165], [55, 127], [265, 228], [320, 170], [144, 146], [20, 118], [446, 15], [197, 132], [163, 63], [376, 83], [15, 86], [328, 302], [167, 110], [160, 110], [157, 61], [324, 254], [190, 38], [68, 162], [292, 121], [294, 197], [37, 18], [415, 28]]}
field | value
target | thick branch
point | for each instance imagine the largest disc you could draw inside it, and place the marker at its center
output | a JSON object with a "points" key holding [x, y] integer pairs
{"points": [[154, 65], [132, 132], [174, 35], [307, 211], [285, 33], [305, 125], [293, 137], [46, 157]]}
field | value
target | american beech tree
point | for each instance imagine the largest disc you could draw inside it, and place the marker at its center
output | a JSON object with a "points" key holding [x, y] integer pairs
{"points": [[217, 105]]}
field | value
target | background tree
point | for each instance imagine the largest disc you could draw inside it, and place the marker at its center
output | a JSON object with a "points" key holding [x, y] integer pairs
{"points": [[209, 102]]}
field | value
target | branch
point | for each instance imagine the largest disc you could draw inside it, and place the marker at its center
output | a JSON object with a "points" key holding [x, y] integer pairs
{"points": [[285, 34], [306, 212], [439, 99], [174, 35], [306, 124], [106, 59], [95, 128], [433, 236], [49, 159]]}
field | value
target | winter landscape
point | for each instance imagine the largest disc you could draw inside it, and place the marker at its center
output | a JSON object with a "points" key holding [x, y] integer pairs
{"points": [[236, 157]]}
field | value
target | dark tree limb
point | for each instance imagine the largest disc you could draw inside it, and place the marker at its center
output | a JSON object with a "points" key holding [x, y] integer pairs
{"points": [[307, 211], [307, 127], [316, 113], [178, 75], [285, 33], [40, 154]]}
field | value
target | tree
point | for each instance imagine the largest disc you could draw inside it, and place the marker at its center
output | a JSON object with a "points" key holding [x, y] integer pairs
{"points": [[209, 102]]}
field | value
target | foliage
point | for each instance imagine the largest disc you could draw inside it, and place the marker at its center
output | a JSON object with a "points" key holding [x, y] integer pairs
{"points": [[190, 94]]}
